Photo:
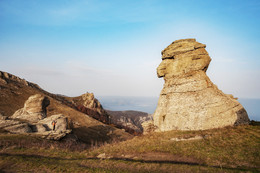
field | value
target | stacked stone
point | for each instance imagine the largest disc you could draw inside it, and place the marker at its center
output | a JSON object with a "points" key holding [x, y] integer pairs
{"points": [[189, 100]]}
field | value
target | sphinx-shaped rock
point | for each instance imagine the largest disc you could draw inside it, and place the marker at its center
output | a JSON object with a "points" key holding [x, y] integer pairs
{"points": [[34, 109], [189, 100]]}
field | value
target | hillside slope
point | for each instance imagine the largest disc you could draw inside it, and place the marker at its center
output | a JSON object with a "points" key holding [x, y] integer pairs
{"points": [[231, 149], [15, 91]]}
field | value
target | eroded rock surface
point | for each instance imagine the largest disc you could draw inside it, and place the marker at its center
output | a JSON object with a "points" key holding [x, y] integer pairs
{"points": [[34, 109], [31, 119], [61, 122], [189, 100], [88, 104]]}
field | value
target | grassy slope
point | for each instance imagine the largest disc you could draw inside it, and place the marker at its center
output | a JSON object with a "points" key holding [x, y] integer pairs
{"points": [[14, 94], [230, 149]]}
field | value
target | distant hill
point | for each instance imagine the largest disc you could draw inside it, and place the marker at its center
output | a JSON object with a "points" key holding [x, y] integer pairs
{"points": [[131, 119], [14, 91]]}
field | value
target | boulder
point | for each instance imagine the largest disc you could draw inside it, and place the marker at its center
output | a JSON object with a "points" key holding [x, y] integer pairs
{"points": [[39, 128], [42, 128], [61, 123], [34, 109], [19, 128], [189, 100], [61, 127]]}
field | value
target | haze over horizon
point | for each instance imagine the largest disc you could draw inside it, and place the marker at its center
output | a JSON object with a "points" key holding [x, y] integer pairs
{"points": [[112, 48]]}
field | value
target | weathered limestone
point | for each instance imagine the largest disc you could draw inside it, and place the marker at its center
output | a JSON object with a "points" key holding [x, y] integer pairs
{"points": [[31, 119], [34, 109], [61, 125], [19, 128], [189, 100], [89, 101], [89, 105]]}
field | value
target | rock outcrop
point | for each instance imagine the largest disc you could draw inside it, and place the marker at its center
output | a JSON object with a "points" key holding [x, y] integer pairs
{"points": [[89, 105], [34, 109], [31, 119], [5, 78], [189, 100]]}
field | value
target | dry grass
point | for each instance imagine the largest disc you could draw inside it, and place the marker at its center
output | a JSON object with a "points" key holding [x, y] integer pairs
{"points": [[231, 149]]}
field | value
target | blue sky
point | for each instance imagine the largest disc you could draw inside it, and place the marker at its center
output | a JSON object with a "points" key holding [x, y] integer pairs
{"points": [[113, 47]]}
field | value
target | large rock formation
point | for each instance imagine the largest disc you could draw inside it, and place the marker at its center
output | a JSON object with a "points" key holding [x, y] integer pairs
{"points": [[89, 105], [31, 119], [34, 109], [189, 100]]}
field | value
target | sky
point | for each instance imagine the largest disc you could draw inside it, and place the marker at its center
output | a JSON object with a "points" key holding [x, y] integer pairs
{"points": [[112, 48]]}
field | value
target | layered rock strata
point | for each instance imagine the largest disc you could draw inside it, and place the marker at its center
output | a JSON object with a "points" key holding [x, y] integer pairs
{"points": [[34, 109], [189, 100], [89, 105], [32, 119]]}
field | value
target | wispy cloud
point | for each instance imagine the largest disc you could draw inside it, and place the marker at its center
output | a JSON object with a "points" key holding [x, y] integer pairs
{"points": [[36, 70], [81, 68]]}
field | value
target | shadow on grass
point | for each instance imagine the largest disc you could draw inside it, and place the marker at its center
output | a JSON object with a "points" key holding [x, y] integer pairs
{"points": [[32, 156], [97, 135]]}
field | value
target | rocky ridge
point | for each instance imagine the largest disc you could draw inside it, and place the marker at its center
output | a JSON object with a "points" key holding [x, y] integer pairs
{"points": [[14, 92], [87, 103], [189, 100]]}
